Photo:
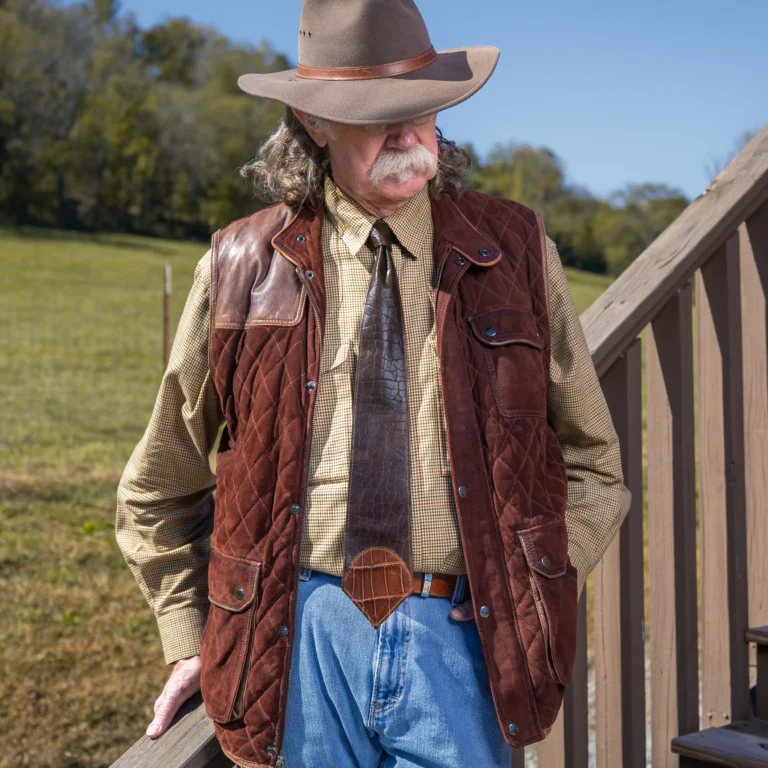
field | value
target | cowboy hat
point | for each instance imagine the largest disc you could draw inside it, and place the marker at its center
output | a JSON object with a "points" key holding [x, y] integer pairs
{"points": [[372, 62]]}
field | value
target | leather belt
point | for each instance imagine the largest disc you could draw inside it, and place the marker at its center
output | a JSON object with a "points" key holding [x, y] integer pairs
{"points": [[434, 584]]}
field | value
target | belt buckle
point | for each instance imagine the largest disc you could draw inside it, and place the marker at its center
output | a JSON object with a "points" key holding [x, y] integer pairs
{"points": [[426, 585]]}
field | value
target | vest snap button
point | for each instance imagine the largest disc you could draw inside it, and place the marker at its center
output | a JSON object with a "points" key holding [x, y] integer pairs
{"points": [[239, 593], [310, 385], [463, 491], [485, 611], [283, 631], [461, 261], [491, 331], [310, 274], [295, 509], [545, 561], [512, 730], [301, 238], [270, 750], [484, 252]]}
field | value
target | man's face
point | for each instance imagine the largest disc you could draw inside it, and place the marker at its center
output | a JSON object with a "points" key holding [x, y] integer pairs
{"points": [[383, 165]]}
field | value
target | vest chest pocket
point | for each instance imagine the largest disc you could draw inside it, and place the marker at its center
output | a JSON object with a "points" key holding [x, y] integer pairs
{"points": [[233, 585], [513, 348]]}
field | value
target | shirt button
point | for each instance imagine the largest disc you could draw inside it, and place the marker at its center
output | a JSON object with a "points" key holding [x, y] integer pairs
{"points": [[485, 611], [239, 593], [283, 631], [295, 509], [512, 729], [463, 491], [310, 385]]}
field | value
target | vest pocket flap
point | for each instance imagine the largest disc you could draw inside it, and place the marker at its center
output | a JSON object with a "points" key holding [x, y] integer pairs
{"points": [[507, 325], [232, 581], [546, 548]]}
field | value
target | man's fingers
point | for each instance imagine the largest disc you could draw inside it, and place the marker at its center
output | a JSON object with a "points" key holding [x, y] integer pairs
{"points": [[463, 612], [183, 683]]}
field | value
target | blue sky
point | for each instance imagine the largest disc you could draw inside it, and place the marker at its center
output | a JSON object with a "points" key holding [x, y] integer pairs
{"points": [[622, 92]]}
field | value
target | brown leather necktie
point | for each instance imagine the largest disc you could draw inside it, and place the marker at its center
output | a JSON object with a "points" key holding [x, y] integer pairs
{"points": [[377, 544]]}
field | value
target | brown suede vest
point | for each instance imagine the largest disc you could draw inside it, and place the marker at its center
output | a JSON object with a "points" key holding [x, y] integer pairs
{"points": [[267, 315]]}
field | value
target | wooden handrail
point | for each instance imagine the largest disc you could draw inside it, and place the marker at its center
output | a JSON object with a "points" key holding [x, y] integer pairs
{"points": [[640, 292]]}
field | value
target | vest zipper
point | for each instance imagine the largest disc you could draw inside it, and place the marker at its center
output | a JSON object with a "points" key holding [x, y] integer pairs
{"points": [[239, 706], [281, 761]]}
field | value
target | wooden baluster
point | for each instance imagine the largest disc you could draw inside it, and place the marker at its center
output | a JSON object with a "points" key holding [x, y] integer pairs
{"points": [[618, 579], [753, 248], [567, 745], [725, 671], [672, 527]]}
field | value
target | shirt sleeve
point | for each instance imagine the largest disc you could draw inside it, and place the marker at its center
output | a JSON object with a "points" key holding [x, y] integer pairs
{"points": [[165, 497], [598, 500]]}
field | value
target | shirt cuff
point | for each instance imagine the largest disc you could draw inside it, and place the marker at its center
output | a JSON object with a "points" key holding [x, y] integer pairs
{"points": [[181, 631]]}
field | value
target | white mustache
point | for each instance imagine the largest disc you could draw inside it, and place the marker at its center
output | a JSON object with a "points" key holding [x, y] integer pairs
{"points": [[403, 164]]}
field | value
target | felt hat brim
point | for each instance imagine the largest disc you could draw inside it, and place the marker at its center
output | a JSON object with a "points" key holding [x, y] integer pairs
{"points": [[454, 76]]}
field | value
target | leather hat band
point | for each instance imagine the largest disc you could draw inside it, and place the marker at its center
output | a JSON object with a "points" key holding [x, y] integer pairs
{"points": [[368, 73]]}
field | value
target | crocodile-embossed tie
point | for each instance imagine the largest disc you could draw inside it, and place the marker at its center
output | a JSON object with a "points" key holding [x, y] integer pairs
{"points": [[377, 545]]}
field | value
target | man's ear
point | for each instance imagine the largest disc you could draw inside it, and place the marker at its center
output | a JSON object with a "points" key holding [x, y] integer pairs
{"points": [[317, 135]]}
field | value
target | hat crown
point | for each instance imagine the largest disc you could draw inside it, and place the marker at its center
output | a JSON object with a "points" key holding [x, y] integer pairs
{"points": [[360, 33]]}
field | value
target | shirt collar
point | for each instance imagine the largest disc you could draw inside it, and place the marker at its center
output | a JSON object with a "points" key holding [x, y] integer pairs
{"points": [[411, 223]]}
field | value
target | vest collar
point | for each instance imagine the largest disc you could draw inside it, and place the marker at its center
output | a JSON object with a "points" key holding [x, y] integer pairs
{"points": [[453, 228]]}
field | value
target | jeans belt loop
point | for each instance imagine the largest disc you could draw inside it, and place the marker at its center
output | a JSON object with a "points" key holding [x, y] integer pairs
{"points": [[458, 593], [427, 585]]}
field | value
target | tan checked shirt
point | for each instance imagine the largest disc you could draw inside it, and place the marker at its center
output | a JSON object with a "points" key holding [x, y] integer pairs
{"points": [[165, 503]]}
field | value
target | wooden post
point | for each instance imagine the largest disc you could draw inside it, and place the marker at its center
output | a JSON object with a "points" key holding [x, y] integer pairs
{"points": [[619, 642], [672, 527], [567, 745], [725, 668], [166, 315], [753, 252]]}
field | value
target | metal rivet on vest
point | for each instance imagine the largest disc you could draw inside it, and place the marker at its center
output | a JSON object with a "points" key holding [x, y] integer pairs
{"points": [[490, 331], [545, 561], [310, 275], [310, 385], [485, 611], [283, 631], [463, 491], [461, 261], [484, 252], [240, 593], [301, 238], [270, 750], [295, 509], [512, 729]]}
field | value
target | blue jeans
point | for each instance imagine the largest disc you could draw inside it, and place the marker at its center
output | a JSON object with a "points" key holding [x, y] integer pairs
{"points": [[413, 692]]}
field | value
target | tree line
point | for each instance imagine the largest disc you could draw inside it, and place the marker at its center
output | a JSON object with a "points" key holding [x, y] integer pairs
{"points": [[108, 126]]}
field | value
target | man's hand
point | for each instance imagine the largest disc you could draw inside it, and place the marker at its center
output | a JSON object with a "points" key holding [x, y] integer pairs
{"points": [[463, 612], [183, 683]]}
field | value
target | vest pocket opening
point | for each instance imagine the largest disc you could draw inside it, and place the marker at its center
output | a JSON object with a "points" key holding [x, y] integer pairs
{"points": [[233, 585], [513, 350], [554, 586]]}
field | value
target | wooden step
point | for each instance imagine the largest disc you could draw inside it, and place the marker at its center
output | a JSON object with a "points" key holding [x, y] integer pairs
{"points": [[739, 745], [757, 635]]}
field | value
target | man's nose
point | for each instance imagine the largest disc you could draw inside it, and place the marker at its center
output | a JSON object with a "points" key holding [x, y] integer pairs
{"points": [[403, 137]]}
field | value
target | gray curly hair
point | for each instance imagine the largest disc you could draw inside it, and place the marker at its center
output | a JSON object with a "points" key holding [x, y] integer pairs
{"points": [[290, 167]]}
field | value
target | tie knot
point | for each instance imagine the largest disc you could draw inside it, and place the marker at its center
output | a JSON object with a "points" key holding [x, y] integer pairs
{"points": [[381, 235]]}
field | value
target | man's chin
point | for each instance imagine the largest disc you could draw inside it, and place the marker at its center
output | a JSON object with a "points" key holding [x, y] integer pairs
{"points": [[400, 188]]}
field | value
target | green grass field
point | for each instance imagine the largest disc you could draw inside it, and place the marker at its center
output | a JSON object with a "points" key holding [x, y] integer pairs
{"points": [[80, 363]]}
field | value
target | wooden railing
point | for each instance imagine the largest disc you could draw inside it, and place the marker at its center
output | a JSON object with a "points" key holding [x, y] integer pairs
{"points": [[680, 344]]}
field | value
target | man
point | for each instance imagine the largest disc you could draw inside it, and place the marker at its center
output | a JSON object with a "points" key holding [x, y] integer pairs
{"points": [[418, 468]]}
